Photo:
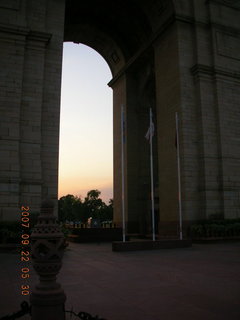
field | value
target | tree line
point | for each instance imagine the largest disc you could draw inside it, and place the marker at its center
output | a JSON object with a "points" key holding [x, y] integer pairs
{"points": [[73, 208]]}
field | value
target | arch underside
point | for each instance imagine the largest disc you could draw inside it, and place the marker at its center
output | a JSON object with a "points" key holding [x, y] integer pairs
{"points": [[116, 29]]}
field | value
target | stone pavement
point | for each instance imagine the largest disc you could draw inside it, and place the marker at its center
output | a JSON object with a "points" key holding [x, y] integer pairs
{"points": [[199, 283]]}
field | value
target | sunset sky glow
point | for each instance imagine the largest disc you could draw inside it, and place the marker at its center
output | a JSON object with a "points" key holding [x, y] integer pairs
{"points": [[86, 126]]}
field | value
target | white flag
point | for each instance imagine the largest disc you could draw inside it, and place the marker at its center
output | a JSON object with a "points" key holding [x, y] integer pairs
{"points": [[150, 131], [149, 136]]}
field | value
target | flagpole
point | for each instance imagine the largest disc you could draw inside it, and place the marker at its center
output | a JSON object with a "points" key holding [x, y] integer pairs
{"points": [[151, 169], [123, 176], [179, 181]]}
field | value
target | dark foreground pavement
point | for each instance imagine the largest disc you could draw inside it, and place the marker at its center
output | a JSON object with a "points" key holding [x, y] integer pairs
{"points": [[202, 282]]}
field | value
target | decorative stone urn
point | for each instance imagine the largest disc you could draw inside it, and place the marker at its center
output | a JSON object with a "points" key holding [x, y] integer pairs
{"points": [[47, 246]]}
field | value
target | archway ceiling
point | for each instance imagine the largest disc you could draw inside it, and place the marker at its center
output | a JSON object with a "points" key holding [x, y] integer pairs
{"points": [[122, 21]]}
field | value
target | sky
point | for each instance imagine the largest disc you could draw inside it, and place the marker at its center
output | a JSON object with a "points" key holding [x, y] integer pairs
{"points": [[86, 125]]}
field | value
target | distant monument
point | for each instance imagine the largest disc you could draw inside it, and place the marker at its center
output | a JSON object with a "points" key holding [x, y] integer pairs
{"points": [[173, 56]]}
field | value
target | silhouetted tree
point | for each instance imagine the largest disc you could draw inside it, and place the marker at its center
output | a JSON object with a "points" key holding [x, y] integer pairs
{"points": [[107, 211], [72, 208], [69, 208], [94, 204]]}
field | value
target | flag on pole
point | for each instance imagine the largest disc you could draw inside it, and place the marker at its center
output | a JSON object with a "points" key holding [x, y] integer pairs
{"points": [[123, 138], [149, 136], [179, 176], [150, 132], [123, 125]]}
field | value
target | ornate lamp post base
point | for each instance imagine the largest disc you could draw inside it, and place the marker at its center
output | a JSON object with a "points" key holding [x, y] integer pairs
{"points": [[47, 246], [47, 306]]}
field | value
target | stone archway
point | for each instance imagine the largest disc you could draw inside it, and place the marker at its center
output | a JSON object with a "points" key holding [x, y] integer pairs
{"points": [[133, 86], [175, 55]]}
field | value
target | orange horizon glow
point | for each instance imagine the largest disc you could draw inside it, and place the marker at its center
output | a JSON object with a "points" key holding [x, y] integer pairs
{"points": [[86, 132]]}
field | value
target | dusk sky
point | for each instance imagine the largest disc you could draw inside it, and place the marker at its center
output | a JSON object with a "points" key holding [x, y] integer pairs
{"points": [[86, 133]]}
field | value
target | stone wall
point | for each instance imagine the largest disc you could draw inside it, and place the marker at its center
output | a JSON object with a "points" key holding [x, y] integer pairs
{"points": [[31, 37], [208, 48]]}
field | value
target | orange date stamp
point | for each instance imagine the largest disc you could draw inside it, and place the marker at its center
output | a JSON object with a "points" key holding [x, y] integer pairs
{"points": [[25, 253]]}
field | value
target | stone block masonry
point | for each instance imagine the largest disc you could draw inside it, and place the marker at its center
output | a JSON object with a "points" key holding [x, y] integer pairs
{"points": [[29, 35]]}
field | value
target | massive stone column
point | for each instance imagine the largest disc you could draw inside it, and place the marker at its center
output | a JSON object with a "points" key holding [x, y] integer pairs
{"points": [[136, 91], [119, 100], [196, 63], [140, 98], [167, 103], [225, 72], [208, 48], [31, 38]]}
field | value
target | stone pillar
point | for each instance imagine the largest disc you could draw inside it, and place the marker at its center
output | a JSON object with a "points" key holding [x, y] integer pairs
{"points": [[167, 103], [47, 246], [119, 98], [140, 86], [135, 90], [31, 39], [225, 38]]}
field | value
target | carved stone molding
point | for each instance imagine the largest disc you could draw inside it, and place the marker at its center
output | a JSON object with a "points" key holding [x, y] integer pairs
{"points": [[199, 70], [235, 4], [12, 33], [10, 4], [228, 45]]}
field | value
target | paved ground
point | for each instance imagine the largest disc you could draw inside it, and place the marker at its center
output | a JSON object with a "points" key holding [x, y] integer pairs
{"points": [[199, 283]]}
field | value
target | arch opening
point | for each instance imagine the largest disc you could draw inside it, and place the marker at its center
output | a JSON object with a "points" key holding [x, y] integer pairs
{"points": [[118, 33], [85, 124]]}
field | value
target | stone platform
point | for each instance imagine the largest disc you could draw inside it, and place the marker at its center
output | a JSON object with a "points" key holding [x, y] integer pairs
{"points": [[150, 245], [85, 235]]}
